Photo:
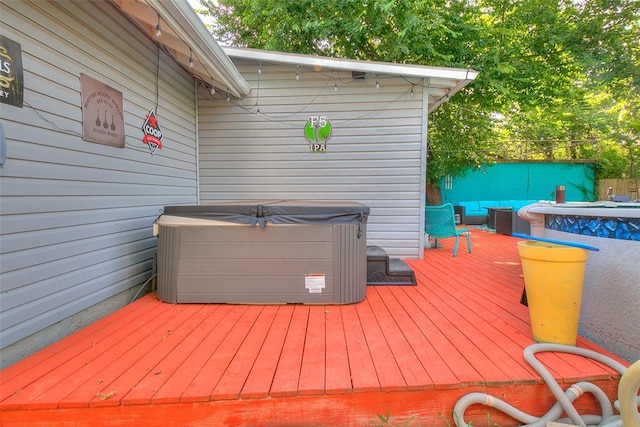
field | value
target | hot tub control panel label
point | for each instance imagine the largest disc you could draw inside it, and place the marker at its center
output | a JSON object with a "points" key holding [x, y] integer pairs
{"points": [[314, 283]]}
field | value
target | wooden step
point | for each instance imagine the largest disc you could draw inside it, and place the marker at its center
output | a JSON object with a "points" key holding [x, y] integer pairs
{"points": [[385, 271]]}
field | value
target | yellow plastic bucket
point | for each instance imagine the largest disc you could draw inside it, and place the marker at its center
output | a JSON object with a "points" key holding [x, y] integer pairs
{"points": [[553, 279]]}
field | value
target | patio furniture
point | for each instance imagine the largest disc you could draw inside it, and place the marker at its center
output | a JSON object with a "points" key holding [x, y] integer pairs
{"points": [[620, 198], [503, 220], [492, 214], [477, 212], [439, 223]]}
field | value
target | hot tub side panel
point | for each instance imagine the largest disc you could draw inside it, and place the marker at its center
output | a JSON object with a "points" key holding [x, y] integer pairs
{"points": [[350, 263], [271, 264], [167, 264]]}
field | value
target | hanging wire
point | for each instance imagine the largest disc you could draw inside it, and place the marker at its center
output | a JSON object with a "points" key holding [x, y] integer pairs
{"points": [[157, 79], [194, 57], [55, 126], [329, 78]]}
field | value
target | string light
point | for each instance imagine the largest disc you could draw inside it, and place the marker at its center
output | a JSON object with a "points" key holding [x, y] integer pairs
{"points": [[212, 89], [158, 28], [158, 33]]}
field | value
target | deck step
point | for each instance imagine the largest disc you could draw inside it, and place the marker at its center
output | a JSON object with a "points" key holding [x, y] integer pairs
{"points": [[385, 271]]}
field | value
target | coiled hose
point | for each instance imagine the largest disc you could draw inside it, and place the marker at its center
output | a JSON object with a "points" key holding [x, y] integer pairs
{"points": [[627, 403]]}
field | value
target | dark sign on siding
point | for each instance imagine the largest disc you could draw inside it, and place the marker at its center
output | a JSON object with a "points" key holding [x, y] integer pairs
{"points": [[11, 80], [102, 113]]}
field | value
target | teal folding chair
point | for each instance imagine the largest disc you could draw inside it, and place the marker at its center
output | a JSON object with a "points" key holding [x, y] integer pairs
{"points": [[440, 223]]}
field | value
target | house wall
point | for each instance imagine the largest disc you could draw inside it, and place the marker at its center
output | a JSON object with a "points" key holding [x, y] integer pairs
{"points": [[374, 155], [76, 217]]}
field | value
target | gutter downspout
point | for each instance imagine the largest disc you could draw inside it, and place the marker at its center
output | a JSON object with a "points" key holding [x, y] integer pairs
{"points": [[197, 138], [424, 166]]}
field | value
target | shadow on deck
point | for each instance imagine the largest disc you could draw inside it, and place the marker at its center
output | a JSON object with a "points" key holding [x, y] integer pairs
{"points": [[407, 351]]}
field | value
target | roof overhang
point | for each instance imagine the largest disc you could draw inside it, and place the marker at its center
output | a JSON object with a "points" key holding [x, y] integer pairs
{"points": [[442, 82], [185, 36]]}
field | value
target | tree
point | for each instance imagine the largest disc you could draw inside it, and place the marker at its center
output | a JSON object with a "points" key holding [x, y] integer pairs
{"points": [[557, 78]]}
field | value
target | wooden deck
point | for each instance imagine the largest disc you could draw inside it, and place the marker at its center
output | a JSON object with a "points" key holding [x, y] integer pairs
{"points": [[407, 352]]}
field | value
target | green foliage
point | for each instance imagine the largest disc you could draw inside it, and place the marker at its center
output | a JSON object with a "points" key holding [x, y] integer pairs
{"points": [[558, 79]]}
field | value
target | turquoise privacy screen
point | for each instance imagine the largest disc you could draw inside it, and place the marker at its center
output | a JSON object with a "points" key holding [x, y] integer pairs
{"points": [[522, 181]]}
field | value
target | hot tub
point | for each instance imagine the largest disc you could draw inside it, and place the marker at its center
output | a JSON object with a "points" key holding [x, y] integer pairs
{"points": [[286, 251]]}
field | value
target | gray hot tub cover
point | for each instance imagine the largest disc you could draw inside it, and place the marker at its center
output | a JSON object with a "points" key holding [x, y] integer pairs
{"points": [[276, 212]]}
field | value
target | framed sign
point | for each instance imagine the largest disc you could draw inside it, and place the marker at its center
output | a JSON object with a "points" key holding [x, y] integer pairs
{"points": [[11, 80], [102, 113]]}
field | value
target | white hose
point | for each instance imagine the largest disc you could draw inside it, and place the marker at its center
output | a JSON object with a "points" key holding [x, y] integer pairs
{"points": [[627, 394]]}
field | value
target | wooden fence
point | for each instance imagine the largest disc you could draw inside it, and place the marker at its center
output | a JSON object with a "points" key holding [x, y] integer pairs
{"points": [[629, 187]]}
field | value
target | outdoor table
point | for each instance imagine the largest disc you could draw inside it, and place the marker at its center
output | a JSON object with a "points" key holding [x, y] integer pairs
{"points": [[492, 211]]}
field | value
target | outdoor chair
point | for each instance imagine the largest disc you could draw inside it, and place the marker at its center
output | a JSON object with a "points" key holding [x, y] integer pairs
{"points": [[440, 223]]}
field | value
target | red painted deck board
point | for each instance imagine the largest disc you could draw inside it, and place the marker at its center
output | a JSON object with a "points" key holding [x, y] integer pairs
{"points": [[258, 384], [413, 372], [234, 376], [479, 327], [312, 370], [447, 352], [202, 386], [121, 375], [157, 374], [337, 375], [287, 375], [363, 371], [21, 375], [410, 350], [413, 330], [386, 366], [172, 389]]}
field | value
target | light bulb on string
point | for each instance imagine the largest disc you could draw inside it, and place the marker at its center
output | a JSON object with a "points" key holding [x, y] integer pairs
{"points": [[260, 68], [228, 98], [411, 93], [190, 58], [212, 90], [297, 72], [377, 83], [335, 86], [158, 28]]}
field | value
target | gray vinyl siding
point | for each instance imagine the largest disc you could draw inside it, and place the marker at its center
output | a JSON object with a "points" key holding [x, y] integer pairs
{"points": [[76, 217], [374, 156]]}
